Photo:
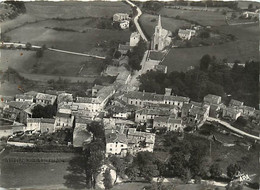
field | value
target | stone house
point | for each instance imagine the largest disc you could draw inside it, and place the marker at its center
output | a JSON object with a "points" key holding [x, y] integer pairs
{"points": [[23, 98], [116, 144], [231, 113], [118, 17], [63, 120]]}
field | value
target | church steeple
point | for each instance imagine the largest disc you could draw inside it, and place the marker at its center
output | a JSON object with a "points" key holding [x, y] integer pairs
{"points": [[159, 22]]}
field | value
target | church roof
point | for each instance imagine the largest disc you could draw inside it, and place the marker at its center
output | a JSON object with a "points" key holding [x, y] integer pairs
{"points": [[156, 55]]}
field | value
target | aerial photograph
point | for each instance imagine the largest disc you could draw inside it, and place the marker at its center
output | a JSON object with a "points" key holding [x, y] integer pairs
{"points": [[135, 95]]}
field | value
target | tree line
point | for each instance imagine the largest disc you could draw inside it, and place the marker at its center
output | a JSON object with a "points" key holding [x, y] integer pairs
{"points": [[211, 77]]}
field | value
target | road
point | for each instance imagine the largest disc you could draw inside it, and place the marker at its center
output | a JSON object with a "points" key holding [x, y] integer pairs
{"points": [[227, 125], [138, 27], [53, 49]]}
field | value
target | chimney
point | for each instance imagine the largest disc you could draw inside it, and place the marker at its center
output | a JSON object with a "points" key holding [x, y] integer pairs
{"points": [[168, 91]]}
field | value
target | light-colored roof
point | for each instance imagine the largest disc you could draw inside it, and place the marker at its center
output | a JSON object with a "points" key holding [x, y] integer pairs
{"points": [[235, 103], [84, 100], [184, 32], [135, 34], [24, 96], [20, 105], [123, 47], [65, 97], [212, 99]]}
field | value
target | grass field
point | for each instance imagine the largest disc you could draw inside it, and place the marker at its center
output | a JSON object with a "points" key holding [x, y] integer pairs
{"points": [[167, 23], [179, 59], [46, 10], [202, 17], [37, 34], [245, 48], [52, 63]]}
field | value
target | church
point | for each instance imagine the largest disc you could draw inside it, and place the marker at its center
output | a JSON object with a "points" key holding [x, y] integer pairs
{"points": [[161, 37]]}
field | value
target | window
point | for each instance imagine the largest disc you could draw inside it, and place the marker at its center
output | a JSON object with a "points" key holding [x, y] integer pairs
{"points": [[110, 149], [135, 102], [131, 102], [122, 145]]}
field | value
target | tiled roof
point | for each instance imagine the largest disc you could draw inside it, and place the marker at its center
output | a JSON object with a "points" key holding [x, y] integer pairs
{"points": [[248, 108], [65, 97], [156, 55], [84, 100], [175, 121], [160, 67], [160, 119], [177, 98], [24, 96], [212, 99], [184, 32], [33, 120], [43, 96], [123, 47], [20, 105], [195, 110], [63, 115], [115, 137], [48, 120]]}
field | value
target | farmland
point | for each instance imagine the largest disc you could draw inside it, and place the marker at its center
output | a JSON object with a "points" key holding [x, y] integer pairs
{"points": [[42, 33], [202, 17], [177, 59], [243, 49]]}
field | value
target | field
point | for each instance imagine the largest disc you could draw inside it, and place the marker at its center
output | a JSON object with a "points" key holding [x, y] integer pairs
{"points": [[170, 24], [41, 33], [47, 10], [245, 48], [52, 63], [202, 17], [14, 175]]}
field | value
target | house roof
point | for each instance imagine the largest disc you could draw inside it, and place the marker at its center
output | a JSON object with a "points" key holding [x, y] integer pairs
{"points": [[184, 32], [235, 103], [20, 105], [65, 115], [212, 99], [248, 108], [24, 96], [6, 98], [156, 55], [43, 96], [154, 97], [175, 121], [47, 120], [32, 93], [135, 34], [123, 47], [97, 87], [177, 98], [33, 120], [84, 100], [40, 120], [195, 110], [160, 68], [65, 97], [116, 137], [160, 119]]}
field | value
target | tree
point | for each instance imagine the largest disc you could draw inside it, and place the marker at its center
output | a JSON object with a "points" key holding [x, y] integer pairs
{"points": [[232, 169], [132, 172], [39, 53], [215, 170], [204, 34], [119, 165], [97, 129], [44, 112], [107, 179], [250, 6], [205, 62], [28, 46]]}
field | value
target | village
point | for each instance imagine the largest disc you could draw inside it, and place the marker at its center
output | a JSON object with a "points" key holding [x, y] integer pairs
{"points": [[130, 122]]}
